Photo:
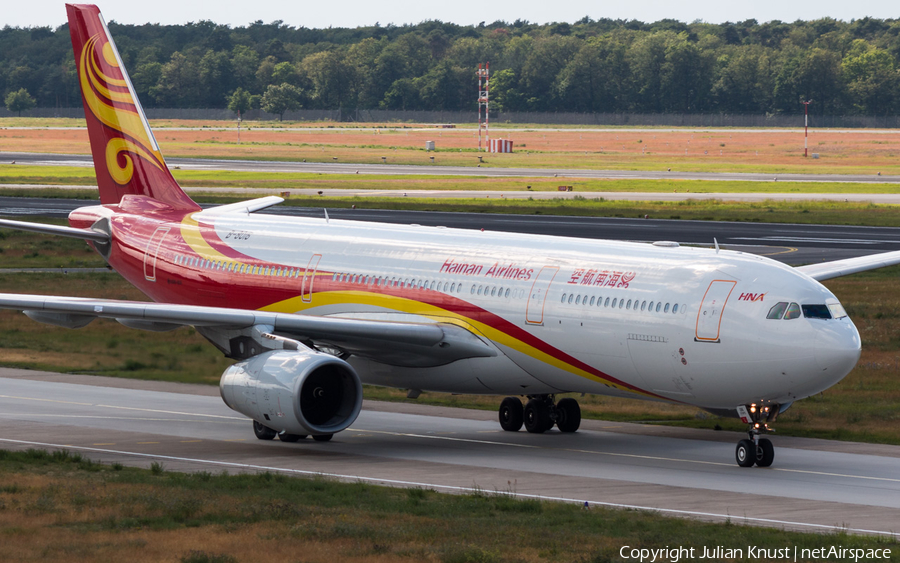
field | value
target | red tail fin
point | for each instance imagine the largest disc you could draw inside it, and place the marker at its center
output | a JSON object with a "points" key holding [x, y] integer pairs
{"points": [[126, 157]]}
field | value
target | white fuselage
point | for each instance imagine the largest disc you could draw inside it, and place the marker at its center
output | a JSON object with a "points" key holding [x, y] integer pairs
{"points": [[567, 315]]}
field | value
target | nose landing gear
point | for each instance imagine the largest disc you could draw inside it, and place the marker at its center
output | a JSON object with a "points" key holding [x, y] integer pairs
{"points": [[540, 414], [756, 450]]}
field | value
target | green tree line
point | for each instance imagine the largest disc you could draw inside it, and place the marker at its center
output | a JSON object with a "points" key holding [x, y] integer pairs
{"points": [[589, 66]]}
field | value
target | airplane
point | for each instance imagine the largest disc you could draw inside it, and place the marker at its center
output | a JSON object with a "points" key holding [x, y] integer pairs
{"points": [[312, 308]]}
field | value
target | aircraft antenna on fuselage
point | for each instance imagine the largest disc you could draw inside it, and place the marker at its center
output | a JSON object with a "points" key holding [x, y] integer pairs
{"points": [[326, 214], [715, 242]]}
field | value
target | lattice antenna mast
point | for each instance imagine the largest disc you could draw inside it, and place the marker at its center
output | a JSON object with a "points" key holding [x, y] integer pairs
{"points": [[484, 76]]}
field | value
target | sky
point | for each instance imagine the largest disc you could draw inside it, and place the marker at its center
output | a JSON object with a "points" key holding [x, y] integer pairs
{"points": [[354, 13]]}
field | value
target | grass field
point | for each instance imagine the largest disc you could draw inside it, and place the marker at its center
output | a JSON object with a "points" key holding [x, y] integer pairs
{"points": [[62, 506], [592, 205], [280, 181], [765, 150]]}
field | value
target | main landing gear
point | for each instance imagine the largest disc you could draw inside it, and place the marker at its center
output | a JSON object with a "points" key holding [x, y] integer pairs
{"points": [[756, 450], [539, 414]]}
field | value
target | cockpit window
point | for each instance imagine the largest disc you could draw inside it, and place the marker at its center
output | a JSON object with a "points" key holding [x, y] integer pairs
{"points": [[793, 312], [816, 312], [777, 310], [837, 310]]}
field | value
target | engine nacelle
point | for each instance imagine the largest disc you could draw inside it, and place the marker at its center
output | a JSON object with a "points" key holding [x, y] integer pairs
{"points": [[294, 391]]}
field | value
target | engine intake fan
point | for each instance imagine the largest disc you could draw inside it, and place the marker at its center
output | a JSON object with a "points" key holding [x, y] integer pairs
{"points": [[295, 391]]}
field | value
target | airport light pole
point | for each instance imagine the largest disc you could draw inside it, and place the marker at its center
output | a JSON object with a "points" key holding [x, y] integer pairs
{"points": [[806, 127]]}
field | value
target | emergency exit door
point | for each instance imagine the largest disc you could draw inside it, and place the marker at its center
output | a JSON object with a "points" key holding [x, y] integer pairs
{"points": [[309, 276], [152, 252], [534, 311], [709, 317]]}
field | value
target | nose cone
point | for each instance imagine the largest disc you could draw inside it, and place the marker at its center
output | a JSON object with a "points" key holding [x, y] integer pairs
{"points": [[837, 348]]}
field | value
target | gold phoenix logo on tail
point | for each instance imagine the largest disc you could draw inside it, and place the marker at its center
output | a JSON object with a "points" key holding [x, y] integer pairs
{"points": [[111, 102]]}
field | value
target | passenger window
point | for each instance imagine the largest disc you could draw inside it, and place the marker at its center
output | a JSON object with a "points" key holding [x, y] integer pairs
{"points": [[674, 308], [592, 300], [452, 287], [563, 298], [777, 310], [479, 289], [621, 303], [628, 306], [666, 310], [607, 303], [507, 293], [643, 305], [493, 292], [793, 312], [578, 300], [658, 305], [570, 298]]}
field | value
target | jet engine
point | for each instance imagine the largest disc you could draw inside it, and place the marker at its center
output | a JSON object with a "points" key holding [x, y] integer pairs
{"points": [[294, 391]]}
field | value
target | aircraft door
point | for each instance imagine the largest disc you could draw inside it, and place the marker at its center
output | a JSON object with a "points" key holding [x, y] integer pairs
{"points": [[152, 252], [534, 310], [309, 277], [709, 317]]}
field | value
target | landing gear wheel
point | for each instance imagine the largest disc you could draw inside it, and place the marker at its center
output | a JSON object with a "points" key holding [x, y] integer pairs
{"points": [[537, 417], [323, 437], [745, 453], [285, 437], [568, 415], [765, 453], [263, 432], [511, 414]]}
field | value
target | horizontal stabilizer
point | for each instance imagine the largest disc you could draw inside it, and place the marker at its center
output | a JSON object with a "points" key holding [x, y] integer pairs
{"points": [[245, 207], [84, 234]]}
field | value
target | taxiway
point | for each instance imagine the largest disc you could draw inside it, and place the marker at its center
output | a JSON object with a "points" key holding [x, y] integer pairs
{"points": [[791, 243], [42, 159]]}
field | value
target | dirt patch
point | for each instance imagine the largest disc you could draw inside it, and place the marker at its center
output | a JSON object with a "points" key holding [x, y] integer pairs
{"points": [[726, 149]]}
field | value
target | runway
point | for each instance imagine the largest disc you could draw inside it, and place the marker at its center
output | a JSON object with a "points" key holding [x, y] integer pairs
{"points": [[791, 243], [41, 159], [814, 485]]}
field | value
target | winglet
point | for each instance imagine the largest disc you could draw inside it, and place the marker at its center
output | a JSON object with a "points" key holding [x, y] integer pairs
{"points": [[126, 156]]}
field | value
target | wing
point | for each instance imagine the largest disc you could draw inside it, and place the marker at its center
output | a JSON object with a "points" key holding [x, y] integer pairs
{"points": [[838, 268], [393, 343]]}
